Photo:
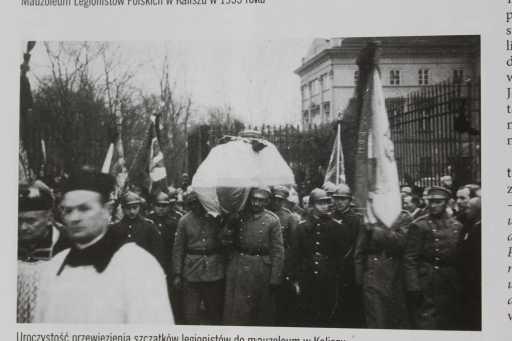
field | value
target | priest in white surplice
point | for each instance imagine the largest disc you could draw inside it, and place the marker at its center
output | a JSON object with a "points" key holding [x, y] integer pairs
{"points": [[101, 278]]}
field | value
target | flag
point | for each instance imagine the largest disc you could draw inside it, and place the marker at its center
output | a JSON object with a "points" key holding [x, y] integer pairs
{"points": [[335, 172], [157, 170], [377, 185], [148, 169]]}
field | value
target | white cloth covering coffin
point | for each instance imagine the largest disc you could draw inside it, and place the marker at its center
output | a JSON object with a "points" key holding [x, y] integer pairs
{"points": [[230, 170]]}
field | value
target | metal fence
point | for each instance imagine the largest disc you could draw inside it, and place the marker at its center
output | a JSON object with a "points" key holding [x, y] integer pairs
{"points": [[436, 132]]}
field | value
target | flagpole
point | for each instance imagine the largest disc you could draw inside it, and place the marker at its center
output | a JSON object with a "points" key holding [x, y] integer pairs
{"points": [[338, 147]]}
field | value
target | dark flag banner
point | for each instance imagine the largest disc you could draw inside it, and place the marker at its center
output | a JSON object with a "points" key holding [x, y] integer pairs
{"points": [[376, 187]]}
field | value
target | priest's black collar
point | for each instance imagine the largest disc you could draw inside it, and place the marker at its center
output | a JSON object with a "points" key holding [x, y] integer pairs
{"points": [[97, 255]]}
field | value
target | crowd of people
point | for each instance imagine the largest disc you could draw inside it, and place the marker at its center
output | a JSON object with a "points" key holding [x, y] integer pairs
{"points": [[275, 263]]}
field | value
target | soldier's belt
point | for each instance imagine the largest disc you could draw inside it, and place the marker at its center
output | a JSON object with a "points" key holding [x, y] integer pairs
{"points": [[204, 252], [257, 252]]}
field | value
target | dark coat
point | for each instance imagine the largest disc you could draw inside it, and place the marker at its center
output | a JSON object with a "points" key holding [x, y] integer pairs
{"points": [[316, 263], [349, 313], [378, 263], [470, 270], [255, 264], [430, 269], [166, 227], [143, 232]]}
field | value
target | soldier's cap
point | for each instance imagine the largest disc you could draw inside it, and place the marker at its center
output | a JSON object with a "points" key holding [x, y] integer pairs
{"points": [[89, 179], [438, 192], [329, 187], [261, 192], [34, 198], [280, 192], [162, 198], [342, 191], [131, 198], [406, 189], [317, 195]]}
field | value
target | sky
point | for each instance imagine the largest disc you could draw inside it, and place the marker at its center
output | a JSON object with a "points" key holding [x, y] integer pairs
{"points": [[255, 78]]}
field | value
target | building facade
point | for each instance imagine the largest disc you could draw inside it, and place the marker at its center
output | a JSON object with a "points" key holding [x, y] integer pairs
{"points": [[328, 73]]}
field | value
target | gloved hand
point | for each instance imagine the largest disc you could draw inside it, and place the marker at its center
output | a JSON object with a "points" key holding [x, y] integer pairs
{"points": [[177, 282]]}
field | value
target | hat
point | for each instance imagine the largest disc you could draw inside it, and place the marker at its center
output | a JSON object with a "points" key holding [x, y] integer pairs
{"points": [[437, 192], [280, 192], [262, 192], [406, 190], [90, 180], [162, 198], [318, 194], [329, 187], [342, 191], [131, 198], [34, 198]]}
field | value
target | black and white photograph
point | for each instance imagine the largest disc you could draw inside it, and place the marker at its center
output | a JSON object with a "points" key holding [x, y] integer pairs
{"points": [[326, 182]]}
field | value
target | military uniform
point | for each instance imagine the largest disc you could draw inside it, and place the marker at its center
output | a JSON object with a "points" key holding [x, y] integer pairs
{"points": [[199, 260], [143, 232], [166, 227], [430, 269], [317, 261], [470, 270], [285, 297], [255, 264], [350, 313], [378, 265]]}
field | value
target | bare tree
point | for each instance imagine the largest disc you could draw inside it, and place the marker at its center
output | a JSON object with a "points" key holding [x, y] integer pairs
{"points": [[175, 114]]}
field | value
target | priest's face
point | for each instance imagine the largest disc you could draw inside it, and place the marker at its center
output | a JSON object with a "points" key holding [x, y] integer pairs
{"points": [[85, 215]]}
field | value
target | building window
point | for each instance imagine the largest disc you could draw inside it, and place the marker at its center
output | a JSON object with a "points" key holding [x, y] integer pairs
{"points": [[305, 115], [458, 75], [394, 77], [356, 76], [327, 81], [327, 108], [423, 76]]}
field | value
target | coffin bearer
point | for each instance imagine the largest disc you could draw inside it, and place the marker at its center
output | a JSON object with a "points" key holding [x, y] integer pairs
{"points": [[255, 266], [134, 227], [350, 313], [285, 297], [39, 239], [101, 278], [199, 263], [430, 264], [317, 262]]}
